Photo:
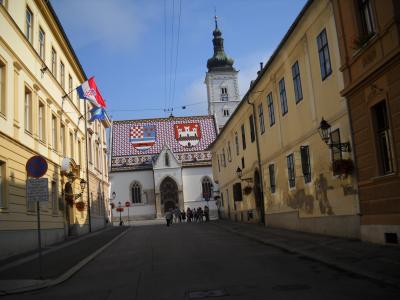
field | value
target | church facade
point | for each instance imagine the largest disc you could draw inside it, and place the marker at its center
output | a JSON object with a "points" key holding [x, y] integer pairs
{"points": [[163, 163]]}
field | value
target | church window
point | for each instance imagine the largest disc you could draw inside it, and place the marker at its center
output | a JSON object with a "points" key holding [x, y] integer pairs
{"points": [[226, 112], [136, 193], [207, 188], [166, 158], [224, 94]]}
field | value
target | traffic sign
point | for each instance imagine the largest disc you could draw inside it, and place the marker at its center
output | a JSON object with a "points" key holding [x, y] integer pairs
{"points": [[36, 166], [37, 190]]}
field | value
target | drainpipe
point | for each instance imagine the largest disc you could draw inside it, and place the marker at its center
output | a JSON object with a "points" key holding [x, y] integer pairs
{"points": [[258, 161]]}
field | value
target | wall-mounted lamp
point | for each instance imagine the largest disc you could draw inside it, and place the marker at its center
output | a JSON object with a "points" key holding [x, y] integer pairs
{"points": [[239, 174], [71, 177], [325, 133], [43, 69]]}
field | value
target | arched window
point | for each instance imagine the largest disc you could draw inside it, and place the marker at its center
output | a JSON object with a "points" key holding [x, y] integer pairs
{"points": [[166, 157], [136, 193], [207, 188]]}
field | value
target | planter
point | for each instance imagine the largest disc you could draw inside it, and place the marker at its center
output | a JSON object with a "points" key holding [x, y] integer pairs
{"points": [[80, 206], [247, 190], [343, 167]]}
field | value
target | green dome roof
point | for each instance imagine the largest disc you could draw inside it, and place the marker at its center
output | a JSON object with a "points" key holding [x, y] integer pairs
{"points": [[220, 61]]}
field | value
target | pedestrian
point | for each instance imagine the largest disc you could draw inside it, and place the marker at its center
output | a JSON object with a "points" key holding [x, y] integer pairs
{"points": [[207, 213], [189, 215], [200, 214], [195, 215], [168, 217], [183, 214]]}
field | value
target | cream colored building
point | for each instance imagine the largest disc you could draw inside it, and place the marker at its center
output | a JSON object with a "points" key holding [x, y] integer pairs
{"points": [[273, 137], [37, 68]]}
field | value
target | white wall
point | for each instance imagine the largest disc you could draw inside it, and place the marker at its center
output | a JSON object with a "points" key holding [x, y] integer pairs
{"points": [[121, 183], [192, 189]]}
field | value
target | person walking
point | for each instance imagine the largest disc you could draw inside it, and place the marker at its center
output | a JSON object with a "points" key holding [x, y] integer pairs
{"points": [[183, 214], [207, 213], [168, 217], [189, 215], [200, 214]]}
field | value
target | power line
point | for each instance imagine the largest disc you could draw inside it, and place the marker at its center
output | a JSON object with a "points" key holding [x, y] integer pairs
{"points": [[160, 109], [165, 54], [171, 53], [177, 51]]}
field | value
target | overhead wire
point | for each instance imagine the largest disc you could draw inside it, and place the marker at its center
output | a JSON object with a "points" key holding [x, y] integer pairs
{"points": [[159, 109], [171, 53], [165, 54], [177, 52]]}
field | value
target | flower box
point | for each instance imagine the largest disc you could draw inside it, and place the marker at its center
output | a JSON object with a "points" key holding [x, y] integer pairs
{"points": [[80, 206], [343, 167]]}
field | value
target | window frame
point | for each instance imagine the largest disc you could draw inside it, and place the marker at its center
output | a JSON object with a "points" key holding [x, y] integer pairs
{"points": [[54, 132], [283, 96], [272, 179], [41, 121], [364, 5], [324, 54], [62, 74], [271, 110], [54, 62], [207, 187], [136, 185], [243, 137], [298, 91], [42, 44], [28, 112], [291, 170], [237, 143], [305, 163], [3, 86], [29, 25], [261, 118], [252, 129]]}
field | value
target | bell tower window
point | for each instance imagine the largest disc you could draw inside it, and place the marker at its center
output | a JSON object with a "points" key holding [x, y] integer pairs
{"points": [[224, 94]]}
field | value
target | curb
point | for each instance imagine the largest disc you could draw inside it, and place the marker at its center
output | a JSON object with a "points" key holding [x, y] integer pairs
{"points": [[328, 262], [52, 282]]}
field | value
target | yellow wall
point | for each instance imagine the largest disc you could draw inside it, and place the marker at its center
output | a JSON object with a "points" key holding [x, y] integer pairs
{"points": [[299, 127]]}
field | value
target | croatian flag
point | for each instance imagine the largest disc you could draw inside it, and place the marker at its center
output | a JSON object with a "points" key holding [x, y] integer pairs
{"points": [[143, 137], [89, 91], [97, 113]]}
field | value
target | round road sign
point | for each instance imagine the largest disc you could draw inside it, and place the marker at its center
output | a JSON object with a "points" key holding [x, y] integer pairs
{"points": [[36, 166]]}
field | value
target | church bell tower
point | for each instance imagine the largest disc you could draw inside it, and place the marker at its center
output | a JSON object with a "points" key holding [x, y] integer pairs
{"points": [[221, 80]]}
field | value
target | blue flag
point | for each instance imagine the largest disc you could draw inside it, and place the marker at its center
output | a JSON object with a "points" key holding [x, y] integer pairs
{"points": [[97, 113]]}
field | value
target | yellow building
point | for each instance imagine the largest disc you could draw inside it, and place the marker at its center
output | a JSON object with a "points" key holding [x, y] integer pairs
{"points": [[273, 137], [38, 67]]}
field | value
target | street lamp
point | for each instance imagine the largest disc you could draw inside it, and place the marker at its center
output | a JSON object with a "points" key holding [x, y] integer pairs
{"points": [[325, 133], [120, 209], [71, 177]]}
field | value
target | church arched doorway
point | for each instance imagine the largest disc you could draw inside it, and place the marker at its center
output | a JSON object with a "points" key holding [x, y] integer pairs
{"points": [[169, 193]]}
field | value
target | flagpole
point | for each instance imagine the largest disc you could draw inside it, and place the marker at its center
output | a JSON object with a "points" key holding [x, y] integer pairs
{"points": [[87, 171]]}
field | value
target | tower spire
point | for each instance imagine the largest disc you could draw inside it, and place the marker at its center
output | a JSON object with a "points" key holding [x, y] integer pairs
{"points": [[215, 17]]}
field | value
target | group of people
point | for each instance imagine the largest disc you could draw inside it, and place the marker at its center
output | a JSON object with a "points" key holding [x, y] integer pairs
{"points": [[191, 215]]}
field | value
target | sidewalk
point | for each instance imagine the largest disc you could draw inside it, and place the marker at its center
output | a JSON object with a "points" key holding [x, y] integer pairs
{"points": [[376, 262], [58, 263]]}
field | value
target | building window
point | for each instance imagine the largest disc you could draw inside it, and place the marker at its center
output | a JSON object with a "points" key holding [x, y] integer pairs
{"points": [[252, 133], [2, 184], [291, 172], [243, 163], [229, 152], [136, 191], [70, 84], [237, 143], [29, 25], [62, 75], [71, 144], [272, 185], [383, 138], [282, 96], [243, 137], [2, 88], [223, 157], [79, 153], [271, 111], [219, 165], [96, 163], [261, 118], [298, 93], [54, 132], [166, 159], [54, 202], [305, 163], [207, 188], [367, 20], [90, 150], [335, 139], [226, 112], [42, 119], [237, 192], [28, 110], [42, 40], [54, 62], [224, 94], [324, 57], [62, 140]]}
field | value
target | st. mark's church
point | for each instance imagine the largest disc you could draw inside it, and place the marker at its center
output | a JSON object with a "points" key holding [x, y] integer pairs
{"points": [[163, 163]]}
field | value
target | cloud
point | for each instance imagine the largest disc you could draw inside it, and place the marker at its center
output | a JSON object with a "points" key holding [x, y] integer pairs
{"points": [[108, 24], [196, 94]]}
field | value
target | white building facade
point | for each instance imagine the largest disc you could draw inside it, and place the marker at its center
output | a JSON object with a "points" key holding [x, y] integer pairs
{"points": [[158, 164]]}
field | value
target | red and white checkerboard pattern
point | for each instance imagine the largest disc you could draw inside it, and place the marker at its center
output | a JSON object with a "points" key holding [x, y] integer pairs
{"points": [[122, 130], [137, 132]]}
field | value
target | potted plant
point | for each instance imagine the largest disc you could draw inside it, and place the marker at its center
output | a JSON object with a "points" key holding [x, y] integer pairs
{"points": [[343, 167], [247, 190], [80, 206]]}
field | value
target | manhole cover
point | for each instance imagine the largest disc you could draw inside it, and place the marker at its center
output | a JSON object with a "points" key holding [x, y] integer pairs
{"points": [[291, 287], [207, 294]]}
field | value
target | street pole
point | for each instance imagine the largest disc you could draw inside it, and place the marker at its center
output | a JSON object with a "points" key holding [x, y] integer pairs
{"points": [[39, 240]]}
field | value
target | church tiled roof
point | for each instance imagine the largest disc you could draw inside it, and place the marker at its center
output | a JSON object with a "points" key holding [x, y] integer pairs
{"points": [[137, 143]]}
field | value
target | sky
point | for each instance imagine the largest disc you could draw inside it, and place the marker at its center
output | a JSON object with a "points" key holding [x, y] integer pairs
{"points": [[139, 50]]}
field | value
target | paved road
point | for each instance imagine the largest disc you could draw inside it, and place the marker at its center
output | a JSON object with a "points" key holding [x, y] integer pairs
{"points": [[202, 261]]}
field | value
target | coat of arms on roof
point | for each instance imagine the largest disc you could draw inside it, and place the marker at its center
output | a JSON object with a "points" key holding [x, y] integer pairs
{"points": [[143, 137], [187, 134]]}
